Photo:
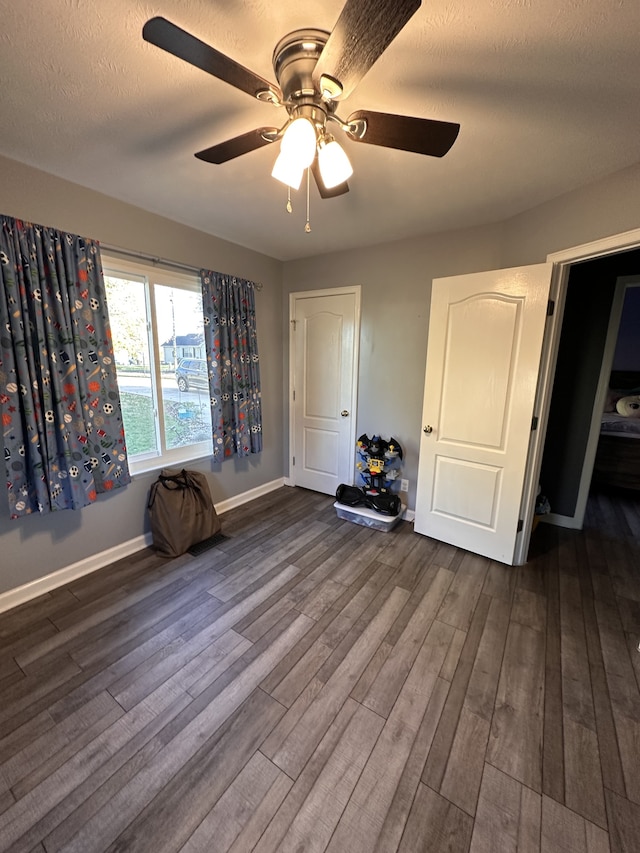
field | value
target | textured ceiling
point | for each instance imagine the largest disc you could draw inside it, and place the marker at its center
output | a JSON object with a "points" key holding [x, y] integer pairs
{"points": [[546, 92]]}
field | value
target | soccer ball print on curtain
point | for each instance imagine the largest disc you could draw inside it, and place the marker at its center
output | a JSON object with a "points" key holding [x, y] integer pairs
{"points": [[59, 400], [234, 365]]}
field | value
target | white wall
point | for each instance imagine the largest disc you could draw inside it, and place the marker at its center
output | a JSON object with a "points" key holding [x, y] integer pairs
{"points": [[36, 546]]}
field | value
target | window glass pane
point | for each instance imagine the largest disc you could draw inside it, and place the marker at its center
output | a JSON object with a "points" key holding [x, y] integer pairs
{"points": [[185, 383], [157, 326], [128, 319]]}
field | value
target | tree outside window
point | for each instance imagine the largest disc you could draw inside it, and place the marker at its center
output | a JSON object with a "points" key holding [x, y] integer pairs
{"points": [[156, 320]]}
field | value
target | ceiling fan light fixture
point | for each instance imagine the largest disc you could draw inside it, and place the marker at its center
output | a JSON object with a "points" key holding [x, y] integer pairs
{"points": [[315, 69], [330, 88], [335, 167], [299, 142], [287, 171]]}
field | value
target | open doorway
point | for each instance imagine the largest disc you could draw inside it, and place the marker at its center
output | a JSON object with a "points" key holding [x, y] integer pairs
{"points": [[578, 393], [615, 437]]}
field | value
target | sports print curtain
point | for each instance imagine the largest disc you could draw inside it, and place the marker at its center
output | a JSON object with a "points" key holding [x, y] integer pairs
{"points": [[59, 402], [234, 366]]}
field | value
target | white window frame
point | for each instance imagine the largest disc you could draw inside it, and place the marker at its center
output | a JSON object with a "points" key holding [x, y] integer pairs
{"points": [[150, 274]]}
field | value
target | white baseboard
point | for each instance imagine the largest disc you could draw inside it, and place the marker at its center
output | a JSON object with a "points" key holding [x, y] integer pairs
{"points": [[251, 495], [40, 586], [21, 594]]}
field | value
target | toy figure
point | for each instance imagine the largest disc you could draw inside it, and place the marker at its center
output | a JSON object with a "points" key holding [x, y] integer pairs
{"points": [[375, 463]]}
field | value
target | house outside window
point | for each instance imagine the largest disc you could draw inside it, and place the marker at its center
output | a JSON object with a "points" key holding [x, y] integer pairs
{"points": [[185, 346], [156, 322]]}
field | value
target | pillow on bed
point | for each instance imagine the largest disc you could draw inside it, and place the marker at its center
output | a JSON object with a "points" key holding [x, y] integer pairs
{"points": [[629, 407]]}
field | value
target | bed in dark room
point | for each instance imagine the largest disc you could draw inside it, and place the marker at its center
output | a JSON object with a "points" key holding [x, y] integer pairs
{"points": [[617, 462]]}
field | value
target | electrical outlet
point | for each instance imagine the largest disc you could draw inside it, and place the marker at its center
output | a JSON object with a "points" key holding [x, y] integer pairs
{"points": [[404, 485]]}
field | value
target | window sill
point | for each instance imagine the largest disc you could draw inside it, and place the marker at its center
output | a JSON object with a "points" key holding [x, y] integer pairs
{"points": [[179, 460]]}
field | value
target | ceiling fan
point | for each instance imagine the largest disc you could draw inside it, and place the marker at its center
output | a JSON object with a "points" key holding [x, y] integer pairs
{"points": [[315, 70]]}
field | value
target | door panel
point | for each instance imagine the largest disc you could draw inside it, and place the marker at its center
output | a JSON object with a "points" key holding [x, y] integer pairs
{"points": [[466, 491], [474, 413], [321, 451], [325, 331], [322, 341], [485, 341]]}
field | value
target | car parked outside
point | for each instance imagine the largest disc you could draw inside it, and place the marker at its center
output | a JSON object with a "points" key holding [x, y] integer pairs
{"points": [[192, 373]]}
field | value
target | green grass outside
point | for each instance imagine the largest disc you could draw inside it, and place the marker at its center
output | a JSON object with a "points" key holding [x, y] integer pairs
{"points": [[137, 414]]}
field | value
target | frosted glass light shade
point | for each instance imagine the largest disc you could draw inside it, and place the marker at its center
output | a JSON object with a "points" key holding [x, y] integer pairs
{"points": [[287, 170], [334, 164], [299, 142]]}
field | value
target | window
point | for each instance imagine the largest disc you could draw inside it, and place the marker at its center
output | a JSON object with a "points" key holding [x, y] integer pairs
{"points": [[156, 319]]}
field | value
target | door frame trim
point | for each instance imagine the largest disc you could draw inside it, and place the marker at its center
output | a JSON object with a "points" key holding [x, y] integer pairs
{"points": [[562, 261], [356, 290]]}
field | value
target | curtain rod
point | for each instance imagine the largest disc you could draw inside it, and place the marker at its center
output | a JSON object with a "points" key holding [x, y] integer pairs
{"points": [[141, 256]]}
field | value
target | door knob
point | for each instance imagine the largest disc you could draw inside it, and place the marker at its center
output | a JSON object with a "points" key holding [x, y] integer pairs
{"points": [[428, 429], [344, 413]]}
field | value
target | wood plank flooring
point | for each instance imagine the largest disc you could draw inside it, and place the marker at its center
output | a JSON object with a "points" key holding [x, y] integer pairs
{"points": [[312, 685]]}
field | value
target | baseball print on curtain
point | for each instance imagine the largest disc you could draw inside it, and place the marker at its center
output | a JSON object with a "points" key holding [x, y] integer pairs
{"points": [[59, 401], [234, 365]]}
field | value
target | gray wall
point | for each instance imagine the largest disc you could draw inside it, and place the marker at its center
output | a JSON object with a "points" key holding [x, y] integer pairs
{"points": [[396, 292], [608, 206], [396, 285], [35, 546]]}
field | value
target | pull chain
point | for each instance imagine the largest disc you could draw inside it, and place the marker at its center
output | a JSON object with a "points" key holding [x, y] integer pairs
{"points": [[307, 226], [289, 207]]}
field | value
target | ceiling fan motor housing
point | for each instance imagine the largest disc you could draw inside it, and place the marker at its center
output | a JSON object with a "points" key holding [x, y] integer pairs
{"points": [[294, 60], [316, 70]]}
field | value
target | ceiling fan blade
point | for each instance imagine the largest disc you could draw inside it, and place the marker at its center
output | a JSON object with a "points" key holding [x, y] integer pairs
{"points": [[169, 37], [341, 189], [420, 135], [362, 33], [232, 148]]}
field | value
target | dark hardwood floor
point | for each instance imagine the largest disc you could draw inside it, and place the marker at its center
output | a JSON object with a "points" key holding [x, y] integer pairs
{"points": [[312, 685]]}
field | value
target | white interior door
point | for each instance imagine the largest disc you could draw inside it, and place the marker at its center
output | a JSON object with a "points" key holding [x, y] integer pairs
{"points": [[483, 358], [325, 331]]}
